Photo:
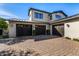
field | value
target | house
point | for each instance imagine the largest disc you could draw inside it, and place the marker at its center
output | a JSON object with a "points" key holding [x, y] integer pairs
{"points": [[45, 23]]}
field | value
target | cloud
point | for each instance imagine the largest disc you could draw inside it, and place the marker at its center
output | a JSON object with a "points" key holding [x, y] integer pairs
{"points": [[7, 14]]}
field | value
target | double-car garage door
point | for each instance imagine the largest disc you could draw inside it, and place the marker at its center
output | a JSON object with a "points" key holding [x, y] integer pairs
{"points": [[26, 30]]}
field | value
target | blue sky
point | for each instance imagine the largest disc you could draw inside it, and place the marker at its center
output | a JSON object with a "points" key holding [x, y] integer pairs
{"points": [[20, 10]]}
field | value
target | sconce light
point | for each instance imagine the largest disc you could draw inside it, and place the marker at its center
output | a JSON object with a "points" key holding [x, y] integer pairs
{"points": [[68, 25]]}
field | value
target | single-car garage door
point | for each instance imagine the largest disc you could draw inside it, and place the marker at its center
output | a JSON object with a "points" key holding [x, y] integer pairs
{"points": [[40, 29], [23, 30]]}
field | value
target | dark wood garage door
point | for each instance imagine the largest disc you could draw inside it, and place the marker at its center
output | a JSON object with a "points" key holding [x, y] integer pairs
{"points": [[23, 30], [40, 29], [0, 31]]}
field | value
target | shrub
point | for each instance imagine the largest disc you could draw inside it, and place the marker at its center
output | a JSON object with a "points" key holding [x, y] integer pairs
{"points": [[67, 38], [75, 39], [3, 24]]}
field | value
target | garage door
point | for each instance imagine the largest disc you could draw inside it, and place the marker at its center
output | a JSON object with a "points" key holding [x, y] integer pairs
{"points": [[40, 29], [23, 30]]}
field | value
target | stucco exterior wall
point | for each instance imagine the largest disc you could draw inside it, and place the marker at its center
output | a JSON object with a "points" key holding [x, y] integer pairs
{"points": [[12, 30], [12, 27], [71, 29], [30, 15]]}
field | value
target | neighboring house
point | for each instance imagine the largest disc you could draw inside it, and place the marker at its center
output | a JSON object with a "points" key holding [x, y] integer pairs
{"points": [[45, 23]]}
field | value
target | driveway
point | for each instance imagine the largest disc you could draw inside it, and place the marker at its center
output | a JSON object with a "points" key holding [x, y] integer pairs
{"points": [[54, 46]]}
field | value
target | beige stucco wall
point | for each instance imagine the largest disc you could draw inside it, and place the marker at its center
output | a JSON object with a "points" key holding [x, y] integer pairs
{"points": [[32, 18], [30, 15], [51, 29], [73, 30], [12, 27], [12, 30]]}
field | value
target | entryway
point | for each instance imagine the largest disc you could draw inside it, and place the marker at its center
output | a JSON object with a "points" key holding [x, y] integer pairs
{"points": [[58, 30]]}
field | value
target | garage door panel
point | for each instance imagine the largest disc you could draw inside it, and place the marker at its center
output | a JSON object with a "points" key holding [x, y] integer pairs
{"points": [[23, 30], [40, 29]]}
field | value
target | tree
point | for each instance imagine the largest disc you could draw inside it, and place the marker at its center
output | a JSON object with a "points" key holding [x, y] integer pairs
{"points": [[3, 24]]}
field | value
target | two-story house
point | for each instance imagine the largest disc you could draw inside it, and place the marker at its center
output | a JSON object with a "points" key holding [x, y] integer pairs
{"points": [[41, 23]]}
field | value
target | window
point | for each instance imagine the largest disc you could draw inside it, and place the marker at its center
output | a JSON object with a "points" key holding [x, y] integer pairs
{"points": [[58, 17], [38, 15]]}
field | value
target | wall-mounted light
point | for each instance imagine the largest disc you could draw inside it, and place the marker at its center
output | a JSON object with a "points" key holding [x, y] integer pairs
{"points": [[68, 25]]}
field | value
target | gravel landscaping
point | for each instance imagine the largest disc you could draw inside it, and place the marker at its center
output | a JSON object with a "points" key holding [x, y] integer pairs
{"points": [[12, 52]]}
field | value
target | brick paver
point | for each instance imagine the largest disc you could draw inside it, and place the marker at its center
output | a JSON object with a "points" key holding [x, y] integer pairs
{"points": [[50, 47]]}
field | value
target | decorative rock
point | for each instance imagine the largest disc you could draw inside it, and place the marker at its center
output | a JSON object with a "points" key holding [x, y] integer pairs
{"points": [[11, 52]]}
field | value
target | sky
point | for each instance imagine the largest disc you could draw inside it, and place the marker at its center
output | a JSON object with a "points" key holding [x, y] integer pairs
{"points": [[20, 10]]}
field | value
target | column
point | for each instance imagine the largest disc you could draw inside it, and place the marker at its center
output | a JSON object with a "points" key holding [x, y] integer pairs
{"points": [[47, 29], [50, 29], [12, 30], [33, 29]]}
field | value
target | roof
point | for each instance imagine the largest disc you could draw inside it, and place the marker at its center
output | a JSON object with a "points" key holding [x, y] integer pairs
{"points": [[27, 21], [37, 10], [60, 11], [67, 19], [70, 18]]}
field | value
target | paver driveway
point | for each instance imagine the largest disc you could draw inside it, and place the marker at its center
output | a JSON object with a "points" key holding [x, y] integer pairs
{"points": [[51, 47]]}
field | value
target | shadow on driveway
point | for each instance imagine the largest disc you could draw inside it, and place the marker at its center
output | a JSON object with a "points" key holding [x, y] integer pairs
{"points": [[10, 41]]}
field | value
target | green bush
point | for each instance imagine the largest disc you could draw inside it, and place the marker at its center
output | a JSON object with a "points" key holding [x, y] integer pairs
{"points": [[47, 32], [67, 38], [2, 37], [6, 36], [3, 24], [75, 39]]}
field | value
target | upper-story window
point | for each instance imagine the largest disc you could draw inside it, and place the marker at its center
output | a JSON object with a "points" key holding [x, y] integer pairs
{"points": [[38, 15], [58, 17]]}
